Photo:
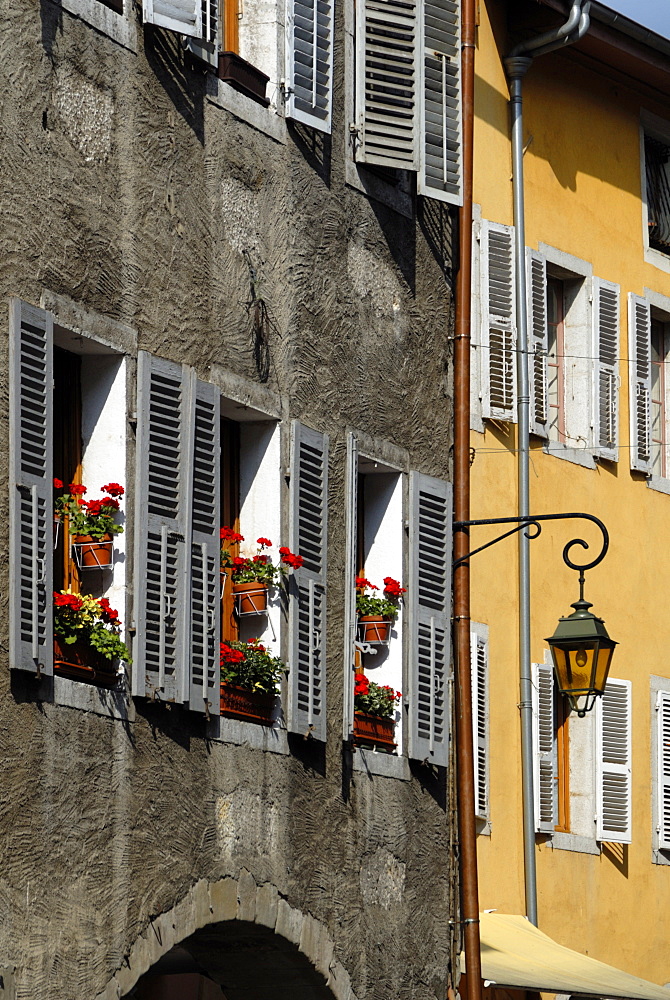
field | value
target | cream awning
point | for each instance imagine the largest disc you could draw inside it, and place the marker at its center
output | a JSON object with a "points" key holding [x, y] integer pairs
{"points": [[518, 955]]}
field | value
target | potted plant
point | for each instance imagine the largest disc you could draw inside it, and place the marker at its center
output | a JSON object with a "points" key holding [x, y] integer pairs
{"points": [[249, 679], [87, 638], [374, 711], [92, 523], [376, 614], [252, 575]]}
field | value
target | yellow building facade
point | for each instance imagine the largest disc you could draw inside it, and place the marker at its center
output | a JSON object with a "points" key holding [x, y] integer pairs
{"points": [[596, 128]]}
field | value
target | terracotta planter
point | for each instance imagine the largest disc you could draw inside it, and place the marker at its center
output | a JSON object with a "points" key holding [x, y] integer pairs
{"points": [[374, 628], [251, 598], [243, 76], [93, 553], [252, 706], [80, 662], [375, 731]]}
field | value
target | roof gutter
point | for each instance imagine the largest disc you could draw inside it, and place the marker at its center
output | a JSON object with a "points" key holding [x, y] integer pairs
{"points": [[517, 64]]}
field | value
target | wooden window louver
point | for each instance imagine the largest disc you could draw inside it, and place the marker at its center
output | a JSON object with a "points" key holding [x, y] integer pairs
{"points": [[479, 668], [498, 315], [441, 140], [663, 769], [606, 337], [538, 342], [544, 749], [639, 329], [309, 54], [613, 760]]}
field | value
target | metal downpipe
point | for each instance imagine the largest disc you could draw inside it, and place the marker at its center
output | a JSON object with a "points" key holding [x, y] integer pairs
{"points": [[517, 64]]}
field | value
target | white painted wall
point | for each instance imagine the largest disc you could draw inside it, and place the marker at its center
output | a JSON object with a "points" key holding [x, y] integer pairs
{"points": [[261, 40]]}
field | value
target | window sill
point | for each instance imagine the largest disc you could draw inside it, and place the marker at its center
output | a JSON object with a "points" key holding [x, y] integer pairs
{"points": [[659, 484], [272, 739], [578, 456], [659, 857], [573, 842], [113, 703], [118, 27], [265, 120], [383, 765], [657, 259]]}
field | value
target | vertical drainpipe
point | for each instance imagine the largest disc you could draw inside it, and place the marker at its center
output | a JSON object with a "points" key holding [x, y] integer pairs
{"points": [[464, 743], [517, 64]]}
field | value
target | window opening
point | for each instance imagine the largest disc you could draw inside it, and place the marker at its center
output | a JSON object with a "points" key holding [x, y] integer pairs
{"points": [[561, 722], [657, 167], [67, 455], [230, 516], [555, 360], [659, 352]]}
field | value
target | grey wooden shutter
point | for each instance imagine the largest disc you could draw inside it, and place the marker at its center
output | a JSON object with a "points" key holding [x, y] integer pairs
{"points": [[387, 83], [498, 315], [663, 769], [479, 669], [606, 352], [545, 785], [351, 533], [308, 538], [309, 54], [205, 560], [184, 16], [613, 763], [31, 488], [441, 138], [160, 570], [429, 598], [538, 342], [639, 335]]}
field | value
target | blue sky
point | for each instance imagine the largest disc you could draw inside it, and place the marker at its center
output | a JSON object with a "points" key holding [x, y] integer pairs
{"points": [[654, 14]]}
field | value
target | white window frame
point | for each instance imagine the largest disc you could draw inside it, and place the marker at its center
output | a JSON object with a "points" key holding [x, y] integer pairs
{"points": [[616, 770], [652, 125], [659, 303], [659, 688]]}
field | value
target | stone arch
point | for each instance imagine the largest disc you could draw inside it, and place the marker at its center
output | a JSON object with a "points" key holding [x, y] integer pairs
{"points": [[225, 901]]}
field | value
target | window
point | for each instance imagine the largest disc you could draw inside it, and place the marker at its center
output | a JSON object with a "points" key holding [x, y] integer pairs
{"points": [[657, 182], [649, 346], [660, 344], [660, 743]]}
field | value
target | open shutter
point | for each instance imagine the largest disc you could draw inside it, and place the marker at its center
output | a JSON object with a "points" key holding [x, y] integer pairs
{"points": [[538, 342], [430, 529], [205, 559], [498, 315], [545, 785], [663, 769], [31, 488], [184, 16], [606, 352], [160, 572], [639, 335], [441, 134], [351, 535], [387, 82], [613, 762], [309, 54], [307, 649], [479, 654]]}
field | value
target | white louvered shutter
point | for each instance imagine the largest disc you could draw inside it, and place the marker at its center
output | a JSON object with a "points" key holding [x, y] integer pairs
{"points": [[613, 763], [441, 117], [161, 566], [639, 337], [545, 785], [479, 669], [387, 82], [184, 16], [31, 488], [663, 769], [309, 532], [309, 55], [429, 597], [538, 342], [203, 654], [498, 315], [351, 535], [606, 352]]}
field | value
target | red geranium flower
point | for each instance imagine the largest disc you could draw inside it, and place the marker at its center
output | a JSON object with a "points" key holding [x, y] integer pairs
{"points": [[362, 583], [114, 489], [110, 502], [361, 684], [239, 561], [392, 587], [284, 550], [76, 490], [265, 542], [58, 484], [228, 535]]}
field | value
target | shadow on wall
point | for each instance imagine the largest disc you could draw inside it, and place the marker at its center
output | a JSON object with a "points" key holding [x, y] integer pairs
{"points": [[400, 236], [181, 79], [315, 146], [439, 227]]}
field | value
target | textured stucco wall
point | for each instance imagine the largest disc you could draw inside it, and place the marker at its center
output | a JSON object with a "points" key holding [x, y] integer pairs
{"points": [[128, 192]]}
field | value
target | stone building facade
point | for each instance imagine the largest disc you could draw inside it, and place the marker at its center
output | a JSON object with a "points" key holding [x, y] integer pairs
{"points": [[184, 266]]}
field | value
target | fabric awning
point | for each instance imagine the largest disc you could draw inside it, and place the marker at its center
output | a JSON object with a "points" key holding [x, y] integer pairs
{"points": [[516, 954]]}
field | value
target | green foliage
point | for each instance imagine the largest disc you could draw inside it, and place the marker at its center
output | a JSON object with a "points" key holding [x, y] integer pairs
{"points": [[249, 665], [375, 699], [367, 605], [91, 621]]}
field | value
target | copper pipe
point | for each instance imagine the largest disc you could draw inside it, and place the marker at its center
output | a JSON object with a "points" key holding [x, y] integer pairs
{"points": [[464, 744]]}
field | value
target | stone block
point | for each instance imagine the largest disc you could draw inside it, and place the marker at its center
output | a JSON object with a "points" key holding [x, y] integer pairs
{"points": [[246, 896], [340, 983], [289, 922], [202, 908], [223, 899], [267, 900]]}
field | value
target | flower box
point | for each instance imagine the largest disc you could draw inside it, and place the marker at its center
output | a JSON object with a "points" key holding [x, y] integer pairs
{"points": [[374, 731], [251, 706], [93, 553], [374, 628], [80, 662], [243, 76], [251, 598]]}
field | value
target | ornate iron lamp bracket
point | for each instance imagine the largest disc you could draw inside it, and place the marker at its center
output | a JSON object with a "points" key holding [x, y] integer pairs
{"points": [[532, 522]]}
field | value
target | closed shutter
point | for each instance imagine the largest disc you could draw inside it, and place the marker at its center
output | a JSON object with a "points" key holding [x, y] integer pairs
{"points": [[351, 535], [498, 314], [663, 769], [613, 762], [31, 488], [429, 594], [538, 342], [479, 655], [545, 756], [309, 53], [387, 83], [184, 16], [160, 571], [205, 560], [309, 529], [606, 344], [639, 334], [441, 139]]}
